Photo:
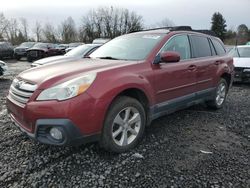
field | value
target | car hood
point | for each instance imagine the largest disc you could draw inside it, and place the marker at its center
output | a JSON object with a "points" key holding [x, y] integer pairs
{"points": [[21, 48], [242, 62], [55, 73], [44, 49], [56, 59]]}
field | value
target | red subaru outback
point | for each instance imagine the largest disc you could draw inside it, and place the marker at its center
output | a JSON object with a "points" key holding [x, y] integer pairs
{"points": [[123, 86]]}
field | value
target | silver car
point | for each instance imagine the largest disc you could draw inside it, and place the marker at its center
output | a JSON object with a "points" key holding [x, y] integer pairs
{"points": [[3, 69]]}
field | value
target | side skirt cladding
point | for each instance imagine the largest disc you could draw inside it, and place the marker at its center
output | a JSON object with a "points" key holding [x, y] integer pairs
{"points": [[179, 103]]}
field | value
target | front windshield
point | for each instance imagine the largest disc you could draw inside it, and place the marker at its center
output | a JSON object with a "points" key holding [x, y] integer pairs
{"points": [[27, 44], [128, 47], [244, 52], [240, 52], [41, 45], [79, 51]]}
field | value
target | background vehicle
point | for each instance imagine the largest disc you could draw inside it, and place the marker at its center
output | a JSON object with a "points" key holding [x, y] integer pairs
{"points": [[62, 48], [100, 41], [229, 48], [248, 43], [3, 69], [20, 51], [123, 86], [6, 50], [73, 45], [41, 50], [241, 56], [73, 55]]}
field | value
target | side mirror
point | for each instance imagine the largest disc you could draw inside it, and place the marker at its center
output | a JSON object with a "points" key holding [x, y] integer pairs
{"points": [[167, 57]]}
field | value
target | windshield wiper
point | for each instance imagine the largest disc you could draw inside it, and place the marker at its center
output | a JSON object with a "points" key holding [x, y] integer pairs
{"points": [[108, 57]]}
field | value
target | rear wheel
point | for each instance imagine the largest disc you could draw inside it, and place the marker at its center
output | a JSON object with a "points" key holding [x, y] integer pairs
{"points": [[124, 125], [220, 95]]}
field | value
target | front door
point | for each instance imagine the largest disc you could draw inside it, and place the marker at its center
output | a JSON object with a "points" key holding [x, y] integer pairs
{"points": [[175, 83]]}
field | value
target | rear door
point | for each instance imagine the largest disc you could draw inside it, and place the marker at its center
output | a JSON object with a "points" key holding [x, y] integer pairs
{"points": [[175, 82], [204, 59]]}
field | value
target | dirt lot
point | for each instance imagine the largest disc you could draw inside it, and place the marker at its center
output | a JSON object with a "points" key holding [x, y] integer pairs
{"points": [[190, 148]]}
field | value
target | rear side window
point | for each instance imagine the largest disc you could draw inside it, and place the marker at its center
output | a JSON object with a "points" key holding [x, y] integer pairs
{"points": [[180, 44], [200, 46], [212, 48], [218, 47]]}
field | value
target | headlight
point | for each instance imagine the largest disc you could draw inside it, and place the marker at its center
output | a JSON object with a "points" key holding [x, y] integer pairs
{"points": [[68, 89]]}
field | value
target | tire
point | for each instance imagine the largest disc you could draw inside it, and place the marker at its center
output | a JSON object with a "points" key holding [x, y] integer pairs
{"points": [[1, 71], [114, 134], [219, 96], [17, 57], [29, 59]]}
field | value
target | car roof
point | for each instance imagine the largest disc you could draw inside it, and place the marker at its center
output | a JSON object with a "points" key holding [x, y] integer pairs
{"points": [[179, 29]]}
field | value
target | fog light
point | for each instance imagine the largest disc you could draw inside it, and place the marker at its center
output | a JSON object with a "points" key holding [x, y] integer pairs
{"points": [[56, 133]]}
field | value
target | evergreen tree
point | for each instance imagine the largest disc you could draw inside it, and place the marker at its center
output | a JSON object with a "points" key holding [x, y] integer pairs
{"points": [[219, 25]]}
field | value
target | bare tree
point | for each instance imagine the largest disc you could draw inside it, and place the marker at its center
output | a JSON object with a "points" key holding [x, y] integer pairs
{"points": [[67, 30], [3, 26], [49, 33], [12, 31], [163, 23], [24, 27], [109, 22], [38, 31]]}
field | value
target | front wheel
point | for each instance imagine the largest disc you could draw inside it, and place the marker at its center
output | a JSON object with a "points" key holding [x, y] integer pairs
{"points": [[124, 125], [220, 95]]}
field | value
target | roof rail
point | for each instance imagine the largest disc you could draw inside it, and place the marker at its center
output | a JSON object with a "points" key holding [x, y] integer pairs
{"points": [[184, 28], [174, 28], [205, 31]]}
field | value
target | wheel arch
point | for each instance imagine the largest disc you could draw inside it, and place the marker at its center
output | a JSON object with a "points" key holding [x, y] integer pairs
{"points": [[138, 94], [227, 77]]}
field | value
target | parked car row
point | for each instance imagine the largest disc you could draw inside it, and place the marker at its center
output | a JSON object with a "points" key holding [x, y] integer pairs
{"points": [[34, 51], [79, 52]]}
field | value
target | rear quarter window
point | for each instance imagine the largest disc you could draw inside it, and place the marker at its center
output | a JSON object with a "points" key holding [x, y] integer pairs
{"points": [[200, 46], [219, 48]]}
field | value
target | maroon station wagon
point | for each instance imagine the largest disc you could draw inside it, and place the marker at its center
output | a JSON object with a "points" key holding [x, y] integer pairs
{"points": [[125, 84]]}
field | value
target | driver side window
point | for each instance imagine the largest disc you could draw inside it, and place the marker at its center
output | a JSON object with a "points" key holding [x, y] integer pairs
{"points": [[178, 44]]}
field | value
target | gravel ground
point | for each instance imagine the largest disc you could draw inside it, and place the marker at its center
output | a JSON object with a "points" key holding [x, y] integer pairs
{"points": [[190, 148]]}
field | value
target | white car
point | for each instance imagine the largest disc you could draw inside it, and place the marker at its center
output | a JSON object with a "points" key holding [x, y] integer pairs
{"points": [[241, 55], [3, 69]]}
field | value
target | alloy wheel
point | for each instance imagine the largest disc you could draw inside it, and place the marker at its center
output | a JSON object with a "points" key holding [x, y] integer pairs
{"points": [[126, 126]]}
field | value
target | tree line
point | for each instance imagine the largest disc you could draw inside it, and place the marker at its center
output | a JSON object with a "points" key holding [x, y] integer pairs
{"points": [[106, 22], [103, 22], [231, 37]]}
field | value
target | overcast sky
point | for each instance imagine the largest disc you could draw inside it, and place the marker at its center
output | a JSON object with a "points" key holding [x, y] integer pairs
{"points": [[196, 13]]}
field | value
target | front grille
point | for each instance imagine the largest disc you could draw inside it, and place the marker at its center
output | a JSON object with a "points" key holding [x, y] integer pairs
{"points": [[20, 50], [33, 53], [20, 91]]}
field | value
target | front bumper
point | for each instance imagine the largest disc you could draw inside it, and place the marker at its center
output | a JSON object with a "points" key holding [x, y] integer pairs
{"points": [[71, 133], [79, 118], [20, 54], [242, 75]]}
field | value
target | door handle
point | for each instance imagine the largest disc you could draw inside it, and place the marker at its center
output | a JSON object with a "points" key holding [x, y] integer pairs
{"points": [[192, 67], [217, 62]]}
